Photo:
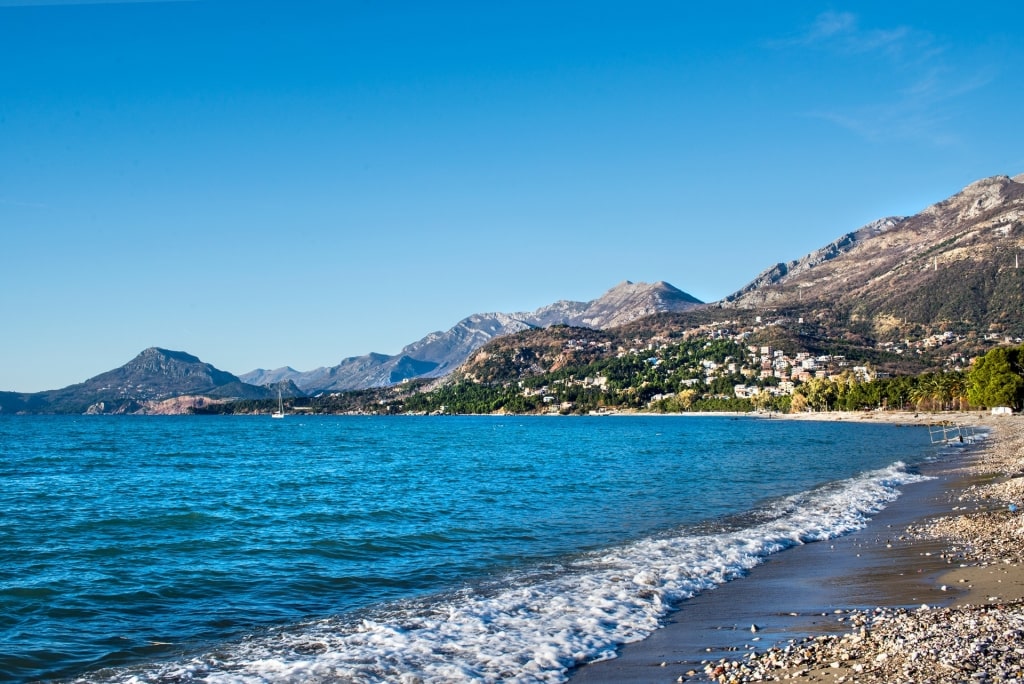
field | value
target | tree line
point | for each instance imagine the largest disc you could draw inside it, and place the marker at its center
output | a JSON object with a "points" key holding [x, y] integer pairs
{"points": [[995, 379], [672, 381]]}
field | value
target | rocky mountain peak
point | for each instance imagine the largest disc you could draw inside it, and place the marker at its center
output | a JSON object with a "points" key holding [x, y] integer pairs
{"points": [[953, 265], [788, 271], [629, 301], [440, 352], [155, 368], [978, 199], [154, 376], [159, 356]]}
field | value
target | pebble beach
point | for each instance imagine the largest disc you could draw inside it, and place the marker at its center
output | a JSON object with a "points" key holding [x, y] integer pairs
{"points": [[948, 578], [977, 637]]}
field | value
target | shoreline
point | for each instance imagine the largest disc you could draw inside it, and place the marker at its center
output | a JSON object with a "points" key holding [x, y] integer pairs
{"points": [[844, 610]]}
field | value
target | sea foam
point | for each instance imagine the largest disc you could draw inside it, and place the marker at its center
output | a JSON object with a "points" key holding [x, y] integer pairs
{"points": [[535, 626]]}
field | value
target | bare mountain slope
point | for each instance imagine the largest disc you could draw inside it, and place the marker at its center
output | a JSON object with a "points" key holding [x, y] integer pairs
{"points": [[626, 302], [439, 353], [955, 264], [154, 375]]}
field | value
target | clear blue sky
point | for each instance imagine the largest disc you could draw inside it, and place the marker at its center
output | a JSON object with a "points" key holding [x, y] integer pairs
{"points": [[292, 183]]}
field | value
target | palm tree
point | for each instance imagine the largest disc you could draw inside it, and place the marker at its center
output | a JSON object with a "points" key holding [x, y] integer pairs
{"points": [[956, 388], [923, 394]]}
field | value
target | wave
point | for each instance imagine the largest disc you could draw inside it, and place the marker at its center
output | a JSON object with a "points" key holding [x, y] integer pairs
{"points": [[535, 626]]}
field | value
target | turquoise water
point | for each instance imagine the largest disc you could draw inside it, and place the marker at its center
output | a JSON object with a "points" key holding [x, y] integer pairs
{"points": [[446, 548]]}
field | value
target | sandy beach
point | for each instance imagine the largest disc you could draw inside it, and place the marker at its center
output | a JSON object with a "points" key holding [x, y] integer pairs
{"points": [[932, 590]]}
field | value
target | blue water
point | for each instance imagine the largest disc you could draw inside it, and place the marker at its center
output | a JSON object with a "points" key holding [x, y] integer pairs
{"points": [[371, 549]]}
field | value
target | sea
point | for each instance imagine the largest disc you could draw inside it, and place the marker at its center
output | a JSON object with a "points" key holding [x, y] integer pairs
{"points": [[400, 548]]}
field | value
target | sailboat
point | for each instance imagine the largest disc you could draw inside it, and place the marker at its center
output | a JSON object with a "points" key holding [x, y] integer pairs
{"points": [[279, 413]]}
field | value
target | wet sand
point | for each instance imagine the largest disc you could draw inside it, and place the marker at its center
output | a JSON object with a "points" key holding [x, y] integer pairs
{"points": [[901, 560]]}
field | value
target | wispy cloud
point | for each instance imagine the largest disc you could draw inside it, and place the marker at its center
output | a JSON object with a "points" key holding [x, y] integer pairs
{"points": [[916, 87], [842, 31], [830, 24], [923, 110]]}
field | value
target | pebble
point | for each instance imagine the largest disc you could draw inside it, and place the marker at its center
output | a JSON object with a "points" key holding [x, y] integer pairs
{"points": [[972, 643], [901, 645]]}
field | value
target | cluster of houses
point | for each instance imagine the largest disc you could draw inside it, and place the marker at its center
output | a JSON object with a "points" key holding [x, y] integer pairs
{"points": [[793, 370], [786, 370], [955, 360], [762, 362]]}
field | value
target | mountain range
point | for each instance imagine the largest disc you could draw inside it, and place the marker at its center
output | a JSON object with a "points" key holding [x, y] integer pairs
{"points": [[153, 377], [439, 353], [954, 266]]}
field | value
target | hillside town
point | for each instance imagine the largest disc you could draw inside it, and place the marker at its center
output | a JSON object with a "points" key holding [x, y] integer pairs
{"points": [[760, 371]]}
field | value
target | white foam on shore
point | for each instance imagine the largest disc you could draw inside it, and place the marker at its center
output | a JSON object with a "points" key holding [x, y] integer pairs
{"points": [[536, 626]]}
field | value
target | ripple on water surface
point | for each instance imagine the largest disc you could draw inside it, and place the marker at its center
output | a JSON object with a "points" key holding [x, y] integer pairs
{"points": [[135, 540]]}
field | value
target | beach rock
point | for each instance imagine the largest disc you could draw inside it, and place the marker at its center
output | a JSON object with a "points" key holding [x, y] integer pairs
{"points": [[939, 645]]}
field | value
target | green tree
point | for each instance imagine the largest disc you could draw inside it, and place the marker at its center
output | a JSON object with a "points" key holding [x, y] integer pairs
{"points": [[997, 379], [761, 400], [798, 404], [821, 393], [686, 398]]}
